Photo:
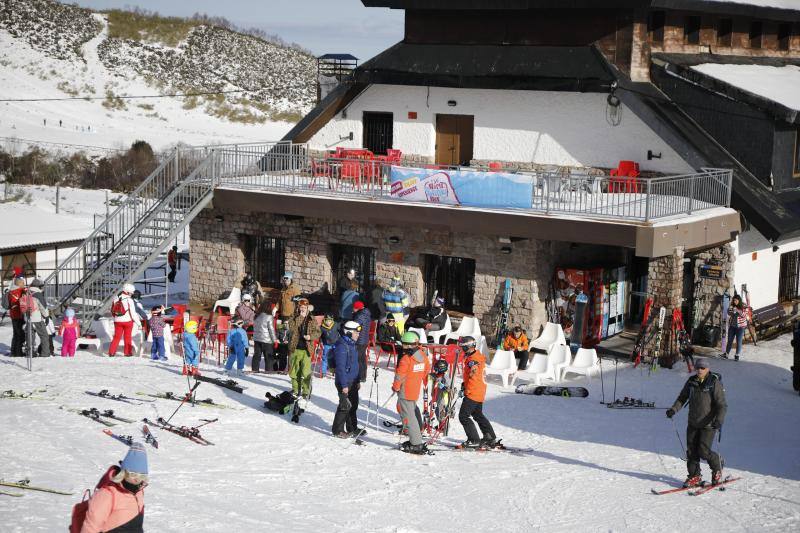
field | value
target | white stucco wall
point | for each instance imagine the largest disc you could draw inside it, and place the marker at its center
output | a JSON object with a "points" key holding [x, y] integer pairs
{"points": [[762, 273], [548, 128]]}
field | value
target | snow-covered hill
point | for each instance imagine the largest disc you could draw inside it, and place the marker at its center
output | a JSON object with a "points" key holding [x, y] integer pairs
{"points": [[53, 50]]}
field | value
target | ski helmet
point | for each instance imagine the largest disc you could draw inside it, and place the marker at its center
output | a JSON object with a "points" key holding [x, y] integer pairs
{"points": [[409, 337], [467, 343], [191, 326], [440, 366], [350, 327], [129, 288]]}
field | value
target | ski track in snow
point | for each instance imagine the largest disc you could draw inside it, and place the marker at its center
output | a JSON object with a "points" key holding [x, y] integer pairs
{"points": [[589, 468]]}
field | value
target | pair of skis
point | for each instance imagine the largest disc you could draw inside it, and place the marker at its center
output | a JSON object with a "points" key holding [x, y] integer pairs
{"points": [[149, 438], [699, 489], [229, 384], [116, 397], [191, 433], [684, 340], [100, 416], [502, 318], [208, 402], [25, 485]]}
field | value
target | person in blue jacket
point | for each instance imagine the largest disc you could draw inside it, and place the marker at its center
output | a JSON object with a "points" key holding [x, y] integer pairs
{"points": [[330, 334], [237, 344], [362, 315], [345, 355], [191, 349]]}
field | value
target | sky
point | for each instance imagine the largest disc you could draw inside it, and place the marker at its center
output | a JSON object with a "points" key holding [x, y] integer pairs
{"points": [[322, 26]]}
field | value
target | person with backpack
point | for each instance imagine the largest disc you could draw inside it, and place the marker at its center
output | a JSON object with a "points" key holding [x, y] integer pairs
{"points": [[117, 504], [707, 408], [40, 315], [265, 340], [737, 324], [125, 318], [17, 316], [410, 376], [347, 385], [191, 349], [237, 342], [69, 331]]}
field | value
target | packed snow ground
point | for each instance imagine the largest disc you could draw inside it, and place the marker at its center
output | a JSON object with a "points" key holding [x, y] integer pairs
{"points": [[28, 73], [588, 468]]}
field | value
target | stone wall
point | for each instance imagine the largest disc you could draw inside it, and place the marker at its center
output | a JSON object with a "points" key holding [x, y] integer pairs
{"points": [[708, 292], [218, 259]]}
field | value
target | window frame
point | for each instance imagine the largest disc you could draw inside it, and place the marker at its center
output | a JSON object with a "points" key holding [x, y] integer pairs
{"points": [[655, 33], [459, 294], [374, 115], [756, 39], [724, 40], [785, 36], [258, 266], [346, 256], [787, 293], [692, 37]]}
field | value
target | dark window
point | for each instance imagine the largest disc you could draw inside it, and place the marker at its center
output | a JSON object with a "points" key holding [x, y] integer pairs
{"points": [[789, 284], [691, 30], [377, 132], [724, 32], [264, 259], [655, 26], [756, 31], [453, 277], [796, 165], [784, 36], [24, 259], [345, 257]]}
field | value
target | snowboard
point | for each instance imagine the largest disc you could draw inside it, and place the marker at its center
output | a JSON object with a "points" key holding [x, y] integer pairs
{"points": [[538, 390], [576, 338], [796, 367]]}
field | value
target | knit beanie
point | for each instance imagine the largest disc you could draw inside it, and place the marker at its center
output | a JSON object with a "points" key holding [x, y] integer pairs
{"points": [[136, 459]]}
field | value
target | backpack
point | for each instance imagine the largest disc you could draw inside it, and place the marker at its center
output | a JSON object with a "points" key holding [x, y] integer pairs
{"points": [[79, 510], [28, 303], [281, 403], [118, 308]]}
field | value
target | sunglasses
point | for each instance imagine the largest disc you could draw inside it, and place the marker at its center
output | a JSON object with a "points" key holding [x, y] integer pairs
{"points": [[701, 367]]}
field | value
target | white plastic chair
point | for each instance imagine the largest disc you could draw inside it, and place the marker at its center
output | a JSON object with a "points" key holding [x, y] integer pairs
{"points": [[104, 329], [558, 357], [551, 334], [438, 337], [469, 327], [420, 333], [231, 301], [538, 367], [585, 363], [503, 365]]}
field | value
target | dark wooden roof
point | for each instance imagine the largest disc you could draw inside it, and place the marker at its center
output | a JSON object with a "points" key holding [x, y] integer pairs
{"points": [[556, 68]]}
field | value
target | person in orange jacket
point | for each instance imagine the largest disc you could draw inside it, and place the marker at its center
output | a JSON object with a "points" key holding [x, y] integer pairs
{"points": [[409, 378], [516, 341], [474, 391]]}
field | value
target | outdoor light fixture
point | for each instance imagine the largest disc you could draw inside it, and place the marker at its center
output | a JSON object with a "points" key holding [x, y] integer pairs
{"points": [[308, 230], [452, 103], [505, 250], [652, 155], [504, 240], [219, 218], [774, 247], [393, 239]]}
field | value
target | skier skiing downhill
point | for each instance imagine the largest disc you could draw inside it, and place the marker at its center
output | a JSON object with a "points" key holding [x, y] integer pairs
{"points": [[474, 390], [707, 407], [347, 384], [191, 349], [412, 371]]}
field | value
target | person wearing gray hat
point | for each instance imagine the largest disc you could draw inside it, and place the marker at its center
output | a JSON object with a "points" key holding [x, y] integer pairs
{"points": [[707, 407]]}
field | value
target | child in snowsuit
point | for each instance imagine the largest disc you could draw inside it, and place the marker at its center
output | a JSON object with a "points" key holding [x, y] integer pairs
{"points": [[474, 389], [191, 350], [330, 334], [237, 343], [157, 325], [69, 331]]}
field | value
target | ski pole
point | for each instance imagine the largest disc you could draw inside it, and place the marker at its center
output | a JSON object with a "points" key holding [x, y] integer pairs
{"points": [[679, 437], [616, 371], [602, 384], [196, 384], [206, 422], [376, 414]]}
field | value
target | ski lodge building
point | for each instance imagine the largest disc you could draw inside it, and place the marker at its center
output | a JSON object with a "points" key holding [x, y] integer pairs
{"points": [[650, 147]]}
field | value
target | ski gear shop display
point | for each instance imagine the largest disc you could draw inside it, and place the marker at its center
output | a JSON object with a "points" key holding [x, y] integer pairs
{"points": [[606, 292]]}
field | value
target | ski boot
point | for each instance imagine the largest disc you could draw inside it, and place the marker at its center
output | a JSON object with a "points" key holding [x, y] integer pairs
{"points": [[342, 435], [693, 481], [470, 445], [716, 477], [185, 370], [195, 371], [358, 432], [489, 441]]}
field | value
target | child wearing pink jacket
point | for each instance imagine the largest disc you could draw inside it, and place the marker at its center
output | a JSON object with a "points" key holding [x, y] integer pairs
{"points": [[69, 331]]}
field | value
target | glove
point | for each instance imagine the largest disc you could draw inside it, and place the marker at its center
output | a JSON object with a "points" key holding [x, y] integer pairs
{"points": [[276, 345], [670, 413], [716, 425]]}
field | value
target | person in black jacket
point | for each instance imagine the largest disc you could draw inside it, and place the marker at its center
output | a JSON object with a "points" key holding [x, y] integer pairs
{"points": [[347, 370], [707, 407], [435, 317], [362, 315]]}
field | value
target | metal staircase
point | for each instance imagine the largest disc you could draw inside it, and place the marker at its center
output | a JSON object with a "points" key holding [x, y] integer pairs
{"points": [[127, 242]]}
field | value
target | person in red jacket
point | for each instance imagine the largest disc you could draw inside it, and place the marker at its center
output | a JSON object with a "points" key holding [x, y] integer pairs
{"points": [[474, 390], [409, 378], [118, 505], [17, 319], [172, 260]]}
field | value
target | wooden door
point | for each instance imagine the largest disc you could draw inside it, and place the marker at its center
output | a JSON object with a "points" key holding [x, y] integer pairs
{"points": [[454, 139]]}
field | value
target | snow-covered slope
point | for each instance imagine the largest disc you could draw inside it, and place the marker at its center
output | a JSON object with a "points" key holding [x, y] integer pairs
{"points": [[585, 468], [51, 50]]}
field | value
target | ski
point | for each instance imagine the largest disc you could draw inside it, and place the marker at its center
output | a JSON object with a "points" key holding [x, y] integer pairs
{"points": [[193, 434], [749, 313], [640, 343], [208, 402], [224, 383], [659, 334], [540, 390], [501, 329], [92, 414], [149, 437], [14, 395], [25, 484], [726, 304], [671, 491], [708, 488], [685, 347], [392, 424], [15, 494], [116, 397], [125, 439]]}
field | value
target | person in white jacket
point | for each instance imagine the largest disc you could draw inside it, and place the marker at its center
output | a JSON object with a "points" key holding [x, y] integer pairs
{"points": [[123, 310], [39, 318], [264, 337]]}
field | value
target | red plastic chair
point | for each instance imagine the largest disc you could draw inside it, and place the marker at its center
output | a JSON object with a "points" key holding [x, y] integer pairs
{"points": [[320, 170], [391, 351], [393, 156], [221, 329], [371, 340], [495, 166]]}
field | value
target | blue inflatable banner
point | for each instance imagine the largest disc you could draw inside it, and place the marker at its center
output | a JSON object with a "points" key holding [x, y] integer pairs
{"points": [[462, 187]]}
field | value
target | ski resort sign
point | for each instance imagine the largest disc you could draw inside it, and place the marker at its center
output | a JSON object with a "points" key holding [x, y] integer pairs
{"points": [[462, 187]]}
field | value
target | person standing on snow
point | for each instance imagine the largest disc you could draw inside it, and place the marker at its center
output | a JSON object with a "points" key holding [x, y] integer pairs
{"points": [[330, 336], [409, 378], [17, 317], [364, 318], [42, 323], [303, 331], [347, 370], [395, 300], [172, 261], [289, 292], [737, 324], [237, 342], [191, 349], [125, 317], [707, 407], [69, 331], [157, 324], [118, 502], [474, 389], [265, 340]]}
